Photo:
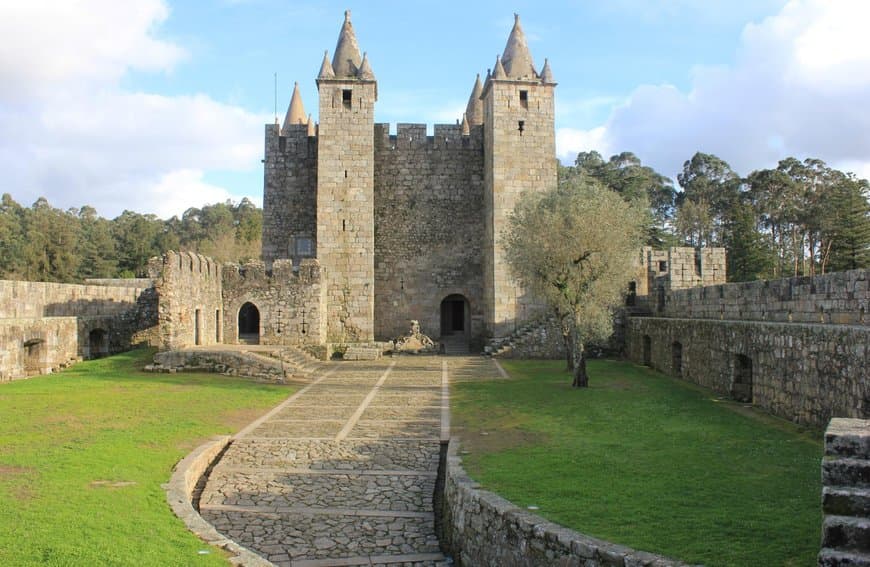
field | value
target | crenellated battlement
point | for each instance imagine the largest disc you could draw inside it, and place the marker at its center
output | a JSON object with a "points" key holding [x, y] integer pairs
{"points": [[184, 264], [414, 137], [282, 271], [295, 141]]}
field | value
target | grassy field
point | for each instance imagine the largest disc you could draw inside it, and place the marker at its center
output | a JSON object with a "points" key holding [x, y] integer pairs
{"points": [[83, 454], [646, 461]]}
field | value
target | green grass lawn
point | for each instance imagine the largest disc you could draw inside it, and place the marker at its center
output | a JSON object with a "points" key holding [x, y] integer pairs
{"points": [[83, 454], [646, 461]]}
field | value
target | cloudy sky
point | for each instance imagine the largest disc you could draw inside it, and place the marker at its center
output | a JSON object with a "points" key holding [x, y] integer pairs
{"points": [[157, 105]]}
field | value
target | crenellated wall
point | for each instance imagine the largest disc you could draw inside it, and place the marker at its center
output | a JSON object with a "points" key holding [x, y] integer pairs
{"points": [[291, 303], [797, 347], [190, 306], [428, 227]]}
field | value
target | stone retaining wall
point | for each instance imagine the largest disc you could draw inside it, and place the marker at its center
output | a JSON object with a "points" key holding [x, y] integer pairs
{"points": [[802, 372], [26, 300], [836, 298], [231, 363], [482, 528], [36, 346]]}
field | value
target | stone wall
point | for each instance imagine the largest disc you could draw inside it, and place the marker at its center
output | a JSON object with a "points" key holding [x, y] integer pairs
{"points": [[428, 227], [21, 299], [803, 372], [190, 308], [289, 194], [482, 528], [291, 304], [837, 298], [678, 268], [36, 346]]}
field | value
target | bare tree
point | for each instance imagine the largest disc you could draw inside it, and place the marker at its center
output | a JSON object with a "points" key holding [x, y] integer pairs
{"points": [[573, 247]]}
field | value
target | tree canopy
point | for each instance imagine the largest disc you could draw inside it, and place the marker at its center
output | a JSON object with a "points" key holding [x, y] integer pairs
{"points": [[574, 247]]}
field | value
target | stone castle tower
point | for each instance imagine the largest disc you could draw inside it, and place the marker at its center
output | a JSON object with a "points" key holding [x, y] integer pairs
{"points": [[408, 226]]}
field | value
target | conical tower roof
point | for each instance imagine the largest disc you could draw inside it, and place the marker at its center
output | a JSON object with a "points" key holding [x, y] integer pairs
{"points": [[365, 70], [517, 59], [295, 112], [547, 74], [312, 129], [326, 71], [346, 60], [498, 72], [474, 110], [465, 128]]}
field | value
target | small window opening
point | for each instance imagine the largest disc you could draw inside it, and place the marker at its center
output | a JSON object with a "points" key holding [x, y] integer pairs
{"points": [[521, 126], [343, 225], [524, 99], [346, 97], [345, 174], [663, 266]]}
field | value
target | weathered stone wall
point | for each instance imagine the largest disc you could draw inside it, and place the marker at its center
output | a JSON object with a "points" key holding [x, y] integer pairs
{"points": [[515, 160], [846, 494], [803, 372], [36, 345], [836, 298], [231, 363], [678, 268], [428, 226], [482, 528], [20, 299], [345, 205], [190, 307], [289, 194], [292, 305]]}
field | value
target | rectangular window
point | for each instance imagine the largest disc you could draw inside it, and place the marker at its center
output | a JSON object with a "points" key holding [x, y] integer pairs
{"points": [[524, 99], [663, 266], [346, 95]]}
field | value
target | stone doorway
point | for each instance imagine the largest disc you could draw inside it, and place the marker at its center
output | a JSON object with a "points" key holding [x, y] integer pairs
{"points": [[34, 356], [741, 388], [98, 344], [249, 324], [647, 351], [455, 324], [677, 358]]}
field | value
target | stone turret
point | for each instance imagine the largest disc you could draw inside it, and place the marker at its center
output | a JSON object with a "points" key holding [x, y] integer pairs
{"points": [[295, 112], [519, 156], [474, 109], [345, 187]]}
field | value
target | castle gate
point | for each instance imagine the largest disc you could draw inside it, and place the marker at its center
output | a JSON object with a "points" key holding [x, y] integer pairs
{"points": [[249, 324]]}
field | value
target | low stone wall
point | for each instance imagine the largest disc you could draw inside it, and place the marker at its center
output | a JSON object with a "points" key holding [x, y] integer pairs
{"points": [[836, 298], [846, 494], [28, 300], [37, 346], [802, 372], [482, 528], [542, 339], [231, 363]]}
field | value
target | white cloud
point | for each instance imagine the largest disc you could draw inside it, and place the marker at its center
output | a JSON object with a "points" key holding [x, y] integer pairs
{"points": [[71, 133], [570, 142], [799, 86]]}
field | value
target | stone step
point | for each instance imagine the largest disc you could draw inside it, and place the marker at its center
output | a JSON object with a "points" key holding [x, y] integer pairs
{"points": [[846, 533], [846, 501], [849, 438], [837, 558], [845, 471]]}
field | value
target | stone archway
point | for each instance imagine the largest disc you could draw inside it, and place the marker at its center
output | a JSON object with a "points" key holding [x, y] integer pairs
{"points": [[455, 324], [98, 344], [249, 324]]}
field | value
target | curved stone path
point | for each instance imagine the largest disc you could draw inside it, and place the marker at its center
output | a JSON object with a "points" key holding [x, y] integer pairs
{"points": [[343, 472]]}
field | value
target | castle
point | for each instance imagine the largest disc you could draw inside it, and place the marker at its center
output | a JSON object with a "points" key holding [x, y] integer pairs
{"points": [[407, 227]]}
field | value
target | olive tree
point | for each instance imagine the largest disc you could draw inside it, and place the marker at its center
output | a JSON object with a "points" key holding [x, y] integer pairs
{"points": [[574, 247]]}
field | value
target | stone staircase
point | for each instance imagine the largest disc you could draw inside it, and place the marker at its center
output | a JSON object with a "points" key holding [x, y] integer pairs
{"points": [[298, 363], [846, 494], [455, 345], [505, 345]]}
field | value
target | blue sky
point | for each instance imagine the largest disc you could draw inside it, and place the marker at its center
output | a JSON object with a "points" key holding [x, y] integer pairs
{"points": [[156, 106]]}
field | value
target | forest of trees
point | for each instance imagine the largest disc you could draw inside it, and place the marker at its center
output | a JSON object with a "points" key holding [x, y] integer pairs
{"points": [[42, 243], [801, 218]]}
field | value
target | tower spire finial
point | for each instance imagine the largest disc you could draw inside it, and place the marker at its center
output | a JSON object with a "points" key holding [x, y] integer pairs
{"points": [[517, 59], [346, 61]]}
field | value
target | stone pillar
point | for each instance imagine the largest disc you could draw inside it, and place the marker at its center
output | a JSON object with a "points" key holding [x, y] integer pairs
{"points": [[846, 493]]}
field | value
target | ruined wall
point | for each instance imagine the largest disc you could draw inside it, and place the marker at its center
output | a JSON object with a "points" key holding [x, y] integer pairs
{"points": [[836, 298], [190, 308], [428, 226], [289, 194], [36, 346], [20, 299], [291, 305]]}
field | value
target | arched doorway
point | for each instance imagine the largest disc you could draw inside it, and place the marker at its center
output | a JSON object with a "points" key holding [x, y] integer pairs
{"points": [[455, 324], [98, 345], [249, 324]]}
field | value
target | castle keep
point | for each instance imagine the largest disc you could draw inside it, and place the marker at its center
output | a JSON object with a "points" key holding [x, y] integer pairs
{"points": [[407, 226]]}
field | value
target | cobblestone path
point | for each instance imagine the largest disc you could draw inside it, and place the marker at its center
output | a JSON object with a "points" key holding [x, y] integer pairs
{"points": [[343, 472]]}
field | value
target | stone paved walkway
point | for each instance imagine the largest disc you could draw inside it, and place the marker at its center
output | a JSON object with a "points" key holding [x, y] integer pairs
{"points": [[343, 472]]}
